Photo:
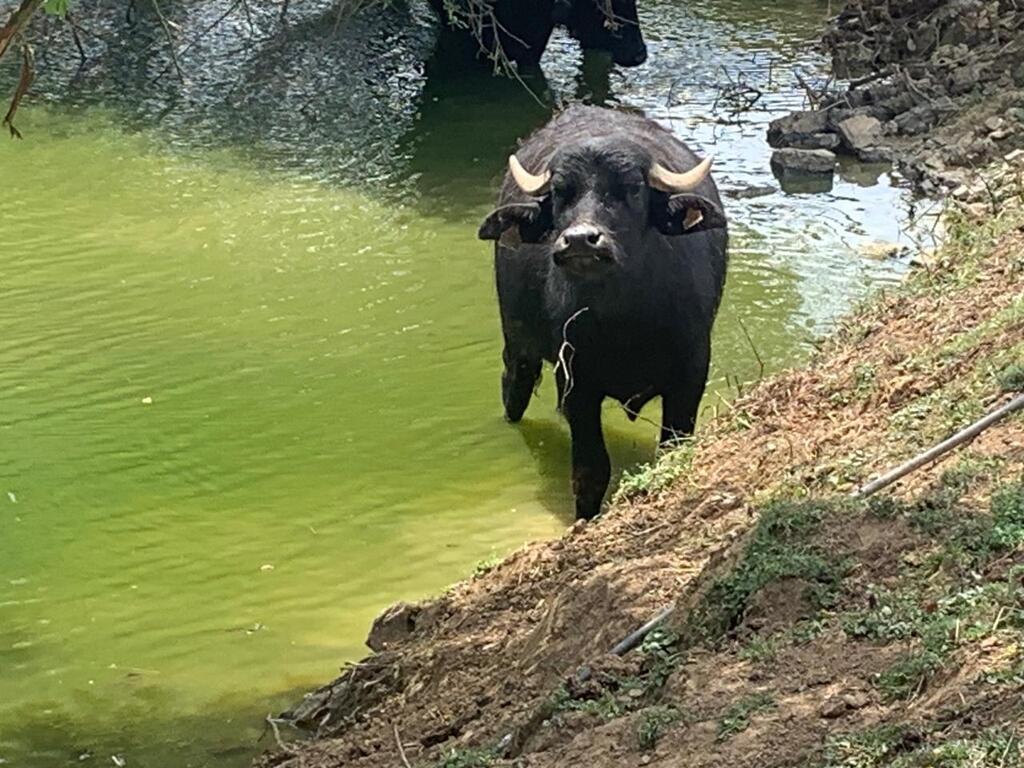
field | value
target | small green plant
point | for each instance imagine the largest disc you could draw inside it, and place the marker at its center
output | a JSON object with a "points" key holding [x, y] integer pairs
{"points": [[1011, 378], [657, 475], [606, 706], [468, 758], [488, 564], [868, 749], [660, 652], [909, 674], [652, 724], [864, 378], [893, 616], [737, 718], [760, 650], [979, 539]]}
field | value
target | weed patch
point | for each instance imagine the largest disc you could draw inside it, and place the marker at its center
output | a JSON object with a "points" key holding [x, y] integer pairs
{"points": [[468, 758], [781, 547], [657, 475], [901, 747], [1011, 378], [737, 718], [653, 723], [618, 696]]}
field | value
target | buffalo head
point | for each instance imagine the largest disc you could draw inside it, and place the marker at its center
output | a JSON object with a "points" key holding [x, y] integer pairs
{"points": [[607, 25], [597, 203]]}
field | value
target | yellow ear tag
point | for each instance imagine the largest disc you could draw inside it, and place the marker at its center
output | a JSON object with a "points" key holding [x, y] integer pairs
{"points": [[694, 216]]}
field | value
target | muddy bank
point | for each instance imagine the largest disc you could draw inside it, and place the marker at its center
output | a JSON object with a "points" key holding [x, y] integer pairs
{"points": [[808, 629], [936, 86]]}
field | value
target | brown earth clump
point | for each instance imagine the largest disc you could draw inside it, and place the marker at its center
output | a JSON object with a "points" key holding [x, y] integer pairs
{"points": [[809, 629]]}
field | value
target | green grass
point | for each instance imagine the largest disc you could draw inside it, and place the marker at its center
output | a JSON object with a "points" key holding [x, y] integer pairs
{"points": [[658, 475], [1011, 378], [760, 650], [901, 747], [652, 724], [468, 758], [737, 718], [488, 564]]}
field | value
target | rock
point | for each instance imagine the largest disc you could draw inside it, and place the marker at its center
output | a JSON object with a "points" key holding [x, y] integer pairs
{"points": [[860, 132], [977, 211], [757, 190], [995, 123], [875, 155], [816, 141], [880, 251], [832, 708], [803, 161], [397, 623], [915, 121], [798, 127], [856, 699]]}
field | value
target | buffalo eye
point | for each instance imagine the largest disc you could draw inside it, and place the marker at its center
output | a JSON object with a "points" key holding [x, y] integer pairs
{"points": [[563, 194]]}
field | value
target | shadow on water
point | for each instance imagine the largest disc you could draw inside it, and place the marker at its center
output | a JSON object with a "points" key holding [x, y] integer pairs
{"points": [[547, 440], [468, 120]]}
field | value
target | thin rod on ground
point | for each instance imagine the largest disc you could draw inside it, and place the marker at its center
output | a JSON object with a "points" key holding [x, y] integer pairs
{"points": [[968, 433]]}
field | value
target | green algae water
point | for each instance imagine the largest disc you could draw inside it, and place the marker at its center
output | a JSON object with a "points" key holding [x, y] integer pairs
{"points": [[249, 392]]}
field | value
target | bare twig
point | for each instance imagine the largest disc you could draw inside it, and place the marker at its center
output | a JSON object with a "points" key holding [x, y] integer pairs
{"points": [[401, 747], [74, 36], [170, 39], [564, 359], [24, 81], [753, 348], [16, 23], [272, 722]]}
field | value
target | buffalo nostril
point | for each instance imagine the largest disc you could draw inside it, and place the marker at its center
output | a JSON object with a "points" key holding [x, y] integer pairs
{"points": [[593, 238]]}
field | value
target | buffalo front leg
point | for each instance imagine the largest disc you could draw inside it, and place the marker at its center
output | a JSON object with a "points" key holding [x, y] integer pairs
{"points": [[591, 468], [679, 406], [517, 382]]}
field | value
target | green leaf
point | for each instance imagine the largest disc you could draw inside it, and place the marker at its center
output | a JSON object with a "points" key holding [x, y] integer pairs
{"points": [[56, 7]]}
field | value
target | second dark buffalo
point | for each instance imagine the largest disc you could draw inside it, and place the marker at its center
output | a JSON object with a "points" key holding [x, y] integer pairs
{"points": [[610, 259], [518, 30]]}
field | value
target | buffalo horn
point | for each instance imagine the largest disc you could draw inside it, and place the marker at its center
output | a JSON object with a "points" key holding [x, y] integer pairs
{"points": [[530, 184], [667, 181]]}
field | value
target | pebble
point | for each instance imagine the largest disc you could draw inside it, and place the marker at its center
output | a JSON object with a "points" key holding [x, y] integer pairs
{"points": [[856, 699], [832, 708]]}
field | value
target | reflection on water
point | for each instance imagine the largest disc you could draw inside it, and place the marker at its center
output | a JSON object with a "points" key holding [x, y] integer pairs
{"points": [[249, 353]]}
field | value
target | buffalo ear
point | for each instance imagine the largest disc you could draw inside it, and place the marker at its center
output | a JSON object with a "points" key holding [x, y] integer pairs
{"points": [[533, 220], [686, 213]]}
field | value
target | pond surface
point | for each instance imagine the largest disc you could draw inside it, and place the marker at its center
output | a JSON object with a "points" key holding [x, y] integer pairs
{"points": [[249, 350]]}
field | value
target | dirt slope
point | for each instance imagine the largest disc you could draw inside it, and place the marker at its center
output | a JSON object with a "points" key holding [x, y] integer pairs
{"points": [[810, 630]]}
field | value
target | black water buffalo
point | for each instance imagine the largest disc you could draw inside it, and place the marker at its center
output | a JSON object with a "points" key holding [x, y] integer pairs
{"points": [[610, 258], [521, 28]]}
